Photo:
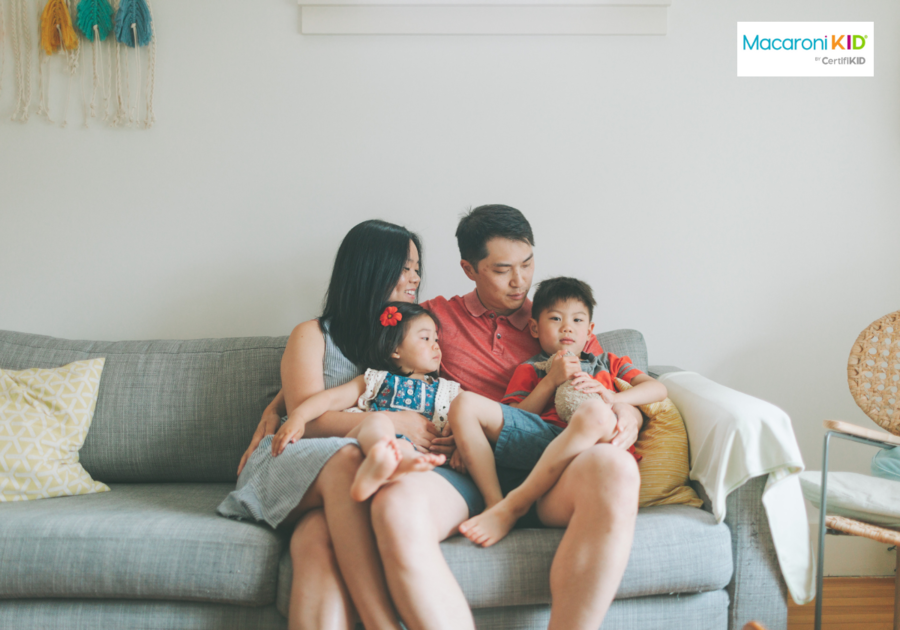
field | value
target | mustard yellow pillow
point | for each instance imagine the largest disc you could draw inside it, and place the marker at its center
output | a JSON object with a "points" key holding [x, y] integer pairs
{"points": [[663, 446], [44, 419]]}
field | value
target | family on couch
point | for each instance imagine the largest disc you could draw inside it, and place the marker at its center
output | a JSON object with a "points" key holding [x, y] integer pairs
{"points": [[379, 560]]}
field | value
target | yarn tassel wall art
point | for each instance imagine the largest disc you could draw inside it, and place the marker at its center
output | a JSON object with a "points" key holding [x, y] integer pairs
{"points": [[20, 36], [134, 29], [57, 35], [95, 21]]}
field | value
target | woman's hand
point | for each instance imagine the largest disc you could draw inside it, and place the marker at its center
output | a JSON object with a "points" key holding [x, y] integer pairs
{"points": [[416, 427], [267, 426], [290, 432], [445, 444]]}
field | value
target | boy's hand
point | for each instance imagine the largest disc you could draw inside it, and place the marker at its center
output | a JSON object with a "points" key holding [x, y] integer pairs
{"points": [[584, 382], [562, 368], [290, 432]]}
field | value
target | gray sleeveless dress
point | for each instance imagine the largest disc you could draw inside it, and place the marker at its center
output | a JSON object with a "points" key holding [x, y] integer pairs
{"points": [[270, 487]]}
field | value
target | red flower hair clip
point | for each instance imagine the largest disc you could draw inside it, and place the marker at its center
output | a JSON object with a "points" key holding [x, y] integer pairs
{"points": [[390, 317]]}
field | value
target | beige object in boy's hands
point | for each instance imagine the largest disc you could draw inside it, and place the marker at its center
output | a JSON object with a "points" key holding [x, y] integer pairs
{"points": [[873, 372], [567, 397]]}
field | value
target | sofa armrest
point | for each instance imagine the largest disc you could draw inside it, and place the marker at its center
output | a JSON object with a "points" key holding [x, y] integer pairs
{"points": [[732, 430]]}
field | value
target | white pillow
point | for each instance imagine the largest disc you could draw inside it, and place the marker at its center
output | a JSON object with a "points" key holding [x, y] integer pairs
{"points": [[865, 498]]}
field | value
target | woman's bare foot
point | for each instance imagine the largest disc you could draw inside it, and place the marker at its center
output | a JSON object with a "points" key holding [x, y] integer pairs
{"points": [[380, 464], [491, 525]]}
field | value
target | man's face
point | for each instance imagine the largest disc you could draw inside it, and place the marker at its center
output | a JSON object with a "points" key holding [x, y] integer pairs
{"points": [[503, 278], [564, 326]]}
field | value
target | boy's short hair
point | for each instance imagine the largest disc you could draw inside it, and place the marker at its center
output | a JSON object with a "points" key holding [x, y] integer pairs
{"points": [[554, 290], [480, 225]]}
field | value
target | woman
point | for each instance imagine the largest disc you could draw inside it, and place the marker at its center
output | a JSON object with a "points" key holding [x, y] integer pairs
{"points": [[336, 569]]}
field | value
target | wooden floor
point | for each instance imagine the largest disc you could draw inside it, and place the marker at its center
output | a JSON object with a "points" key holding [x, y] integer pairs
{"points": [[849, 604]]}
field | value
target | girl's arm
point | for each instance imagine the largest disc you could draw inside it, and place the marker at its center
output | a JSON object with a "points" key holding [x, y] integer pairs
{"points": [[302, 376], [313, 407]]}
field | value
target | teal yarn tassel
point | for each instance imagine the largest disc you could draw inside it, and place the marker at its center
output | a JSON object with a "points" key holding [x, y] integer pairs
{"points": [[93, 13], [133, 12]]}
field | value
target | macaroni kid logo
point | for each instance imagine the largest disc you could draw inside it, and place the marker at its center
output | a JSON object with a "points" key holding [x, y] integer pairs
{"points": [[806, 49]]}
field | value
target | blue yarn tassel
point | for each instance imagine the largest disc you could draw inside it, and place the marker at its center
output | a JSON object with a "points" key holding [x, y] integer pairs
{"points": [[133, 12], [93, 13]]}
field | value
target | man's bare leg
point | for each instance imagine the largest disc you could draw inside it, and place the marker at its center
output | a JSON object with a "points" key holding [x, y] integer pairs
{"points": [[596, 500], [353, 540], [410, 518], [593, 422], [386, 459], [476, 423], [319, 598]]}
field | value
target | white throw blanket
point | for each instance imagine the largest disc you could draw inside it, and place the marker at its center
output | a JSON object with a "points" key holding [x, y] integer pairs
{"points": [[735, 437]]}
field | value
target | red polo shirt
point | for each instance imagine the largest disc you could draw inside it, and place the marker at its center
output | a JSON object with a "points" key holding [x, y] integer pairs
{"points": [[481, 349]]}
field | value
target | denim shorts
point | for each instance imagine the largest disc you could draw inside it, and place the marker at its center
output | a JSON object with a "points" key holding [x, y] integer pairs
{"points": [[465, 486], [523, 439]]}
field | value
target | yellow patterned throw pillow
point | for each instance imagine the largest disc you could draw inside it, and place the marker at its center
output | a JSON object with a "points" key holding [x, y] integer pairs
{"points": [[44, 419], [663, 444]]}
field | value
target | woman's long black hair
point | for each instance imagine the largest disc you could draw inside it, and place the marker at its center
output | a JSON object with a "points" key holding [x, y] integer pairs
{"points": [[367, 267]]}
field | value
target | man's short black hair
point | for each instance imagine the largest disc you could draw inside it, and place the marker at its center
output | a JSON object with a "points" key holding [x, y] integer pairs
{"points": [[480, 225], [554, 290]]}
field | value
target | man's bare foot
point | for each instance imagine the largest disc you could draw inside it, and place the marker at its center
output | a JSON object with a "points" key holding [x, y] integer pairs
{"points": [[380, 464], [418, 463], [491, 525]]}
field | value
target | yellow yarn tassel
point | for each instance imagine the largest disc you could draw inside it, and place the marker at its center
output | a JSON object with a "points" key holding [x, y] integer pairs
{"points": [[56, 28]]}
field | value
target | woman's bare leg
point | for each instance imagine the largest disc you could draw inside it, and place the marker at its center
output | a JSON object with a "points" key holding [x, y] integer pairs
{"points": [[411, 517], [352, 538], [319, 598]]}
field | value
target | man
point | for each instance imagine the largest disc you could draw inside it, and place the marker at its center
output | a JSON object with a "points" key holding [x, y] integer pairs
{"points": [[484, 337]]}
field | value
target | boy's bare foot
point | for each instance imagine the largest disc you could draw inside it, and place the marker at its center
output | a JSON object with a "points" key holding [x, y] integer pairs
{"points": [[491, 525], [418, 463], [380, 464]]}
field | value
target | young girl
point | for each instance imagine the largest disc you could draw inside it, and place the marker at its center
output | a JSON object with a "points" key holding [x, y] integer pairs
{"points": [[405, 358]]}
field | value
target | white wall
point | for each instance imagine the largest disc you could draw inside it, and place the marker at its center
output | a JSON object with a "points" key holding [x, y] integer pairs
{"points": [[747, 226]]}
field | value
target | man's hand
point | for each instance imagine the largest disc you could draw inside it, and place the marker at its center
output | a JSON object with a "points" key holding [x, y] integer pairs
{"points": [[417, 428], [628, 425], [267, 426], [290, 432], [456, 463], [445, 444], [562, 368]]}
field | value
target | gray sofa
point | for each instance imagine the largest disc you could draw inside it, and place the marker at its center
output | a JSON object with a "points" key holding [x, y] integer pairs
{"points": [[172, 420]]}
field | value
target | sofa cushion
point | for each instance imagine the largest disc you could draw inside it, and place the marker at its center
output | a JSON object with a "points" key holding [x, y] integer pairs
{"points": [[142, 541], [677, 549], [626, 342], [166, 410]]}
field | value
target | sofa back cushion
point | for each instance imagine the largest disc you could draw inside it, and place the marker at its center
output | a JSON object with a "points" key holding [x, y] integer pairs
{"points": [[626, 342], [166, 410]]}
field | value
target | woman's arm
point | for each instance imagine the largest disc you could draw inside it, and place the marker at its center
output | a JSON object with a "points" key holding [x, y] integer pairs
{"points": [[313, 407], [267, 426]]}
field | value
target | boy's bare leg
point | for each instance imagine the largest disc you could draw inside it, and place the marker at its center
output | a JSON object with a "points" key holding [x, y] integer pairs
{"points": [[385, 459], [476, 423], [593, 422], [596, 500], [411, 517]]}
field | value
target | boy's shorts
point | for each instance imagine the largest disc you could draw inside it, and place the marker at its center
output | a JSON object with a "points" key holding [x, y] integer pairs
{"points": [[523, 439]]}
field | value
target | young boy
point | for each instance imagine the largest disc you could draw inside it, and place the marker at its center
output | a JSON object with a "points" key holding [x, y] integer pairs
{"points": [[561, 321]]}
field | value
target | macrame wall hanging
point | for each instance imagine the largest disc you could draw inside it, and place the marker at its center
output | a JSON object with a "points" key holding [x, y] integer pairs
{"points": [[116, 75]]}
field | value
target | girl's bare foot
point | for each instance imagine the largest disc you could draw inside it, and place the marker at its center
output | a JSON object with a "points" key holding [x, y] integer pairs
{"points": [[491, 525], [380, 464], [418, 463]]}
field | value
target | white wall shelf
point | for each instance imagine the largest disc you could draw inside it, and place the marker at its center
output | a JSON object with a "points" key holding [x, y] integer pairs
{"points": [[483, 17]]}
